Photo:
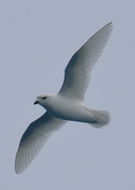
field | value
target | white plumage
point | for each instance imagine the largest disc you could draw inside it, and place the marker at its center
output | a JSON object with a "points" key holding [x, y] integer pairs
{"points": [[68, 103], [78, 70], [34, 138]]}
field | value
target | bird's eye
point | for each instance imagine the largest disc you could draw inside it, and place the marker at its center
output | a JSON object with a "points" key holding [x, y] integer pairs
{"points": [[44, 97]]}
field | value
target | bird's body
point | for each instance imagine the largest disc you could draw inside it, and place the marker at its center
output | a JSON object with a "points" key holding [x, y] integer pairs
{"points": [[67, 104], [65, 108], [70, 109]]}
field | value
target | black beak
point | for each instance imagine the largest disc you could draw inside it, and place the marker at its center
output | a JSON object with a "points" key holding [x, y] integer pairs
{"points": [[36, 102]]}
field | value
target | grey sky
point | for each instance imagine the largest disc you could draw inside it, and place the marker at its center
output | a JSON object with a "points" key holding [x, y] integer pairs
{"points": [[37, 39]]}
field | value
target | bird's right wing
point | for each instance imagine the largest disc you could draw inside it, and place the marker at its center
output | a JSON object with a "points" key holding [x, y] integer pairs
{"points": [[78, 70], [34, 138]]}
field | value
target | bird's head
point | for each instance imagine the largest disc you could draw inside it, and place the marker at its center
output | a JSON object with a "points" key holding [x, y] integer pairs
{"points": [[42, 100]]}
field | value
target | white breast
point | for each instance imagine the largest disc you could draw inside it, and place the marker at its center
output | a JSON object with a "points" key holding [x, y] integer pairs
{"points": [[67, 109]]}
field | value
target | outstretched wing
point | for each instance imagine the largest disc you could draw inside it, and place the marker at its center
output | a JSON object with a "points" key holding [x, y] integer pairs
{"points": [[34, 138], [77, 72]]}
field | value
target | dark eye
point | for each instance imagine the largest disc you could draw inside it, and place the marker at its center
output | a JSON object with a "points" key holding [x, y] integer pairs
{"points": [[44, 97]]}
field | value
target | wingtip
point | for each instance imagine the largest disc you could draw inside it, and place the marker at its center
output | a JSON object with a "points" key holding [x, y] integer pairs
{"points": [[108, 28], [110, 25], [20, 165], [17, 170]]}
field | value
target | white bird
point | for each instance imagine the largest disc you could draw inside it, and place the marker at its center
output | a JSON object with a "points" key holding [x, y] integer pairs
{"points": [[67, 104]]}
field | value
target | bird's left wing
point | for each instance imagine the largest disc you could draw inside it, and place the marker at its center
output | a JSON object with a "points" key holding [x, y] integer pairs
{"points": [[34, 138], [78, 70]]}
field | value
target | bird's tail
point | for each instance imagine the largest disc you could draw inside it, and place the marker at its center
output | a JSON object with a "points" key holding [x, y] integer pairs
{"points": [[101, 118]]}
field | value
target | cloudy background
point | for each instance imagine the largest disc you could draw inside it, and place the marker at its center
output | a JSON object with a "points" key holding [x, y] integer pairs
{"points": [[37, 39]]}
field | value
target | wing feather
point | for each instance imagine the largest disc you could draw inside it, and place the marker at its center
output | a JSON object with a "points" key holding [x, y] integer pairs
{"points": [[34, 138], [78, 70]]}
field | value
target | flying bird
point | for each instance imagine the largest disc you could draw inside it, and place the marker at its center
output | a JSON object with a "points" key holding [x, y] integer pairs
{"points": [[67, 104]]}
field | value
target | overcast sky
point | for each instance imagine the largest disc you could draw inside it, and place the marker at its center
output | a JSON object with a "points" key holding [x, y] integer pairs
{"points": [[37, 39]]}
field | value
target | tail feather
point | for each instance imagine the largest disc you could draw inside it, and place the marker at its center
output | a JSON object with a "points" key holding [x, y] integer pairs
{"points": [[102, 118]]}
